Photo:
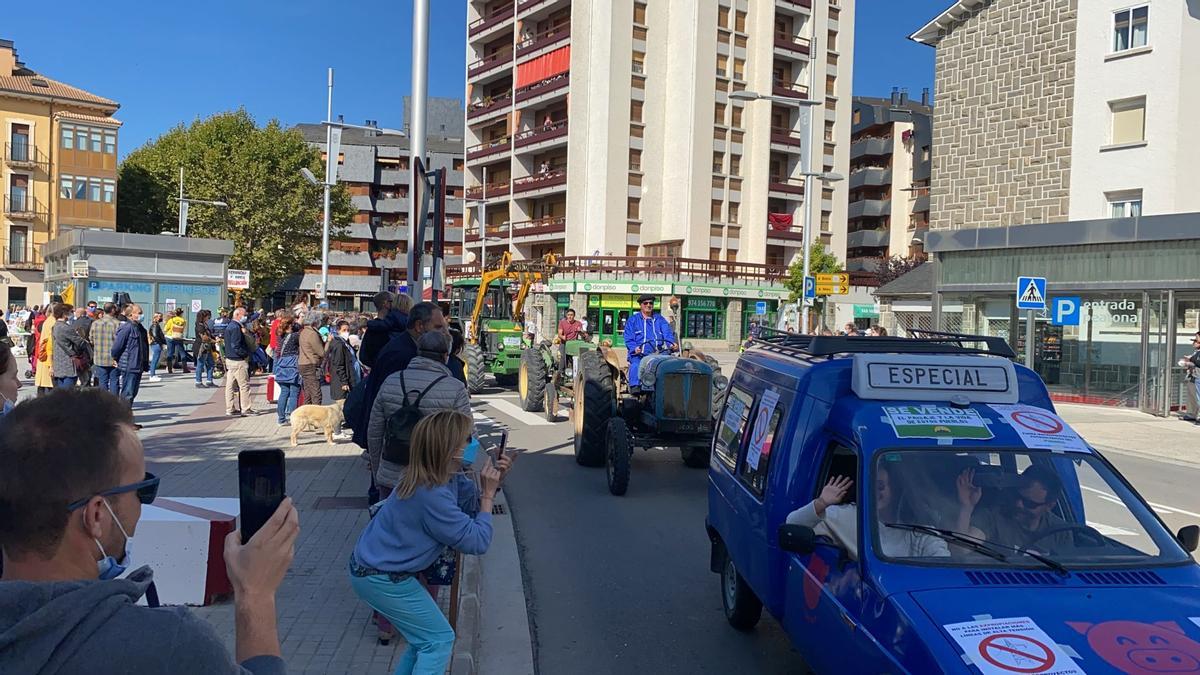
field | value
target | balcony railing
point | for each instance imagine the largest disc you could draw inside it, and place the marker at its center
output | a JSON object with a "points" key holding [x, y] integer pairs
{"points": [[496, 18], [539, 181], [489, 148], [867, 147], [786, 136], [544, 39], [539, 226], [782, 185], [530, 4], [488, 62], [24, 257], [789, 90], [23, 208], [541, 133], [544, 87], [497, 189], [792, 43], [874, 176], [869, 208], [792, 233], [489, 104], [807, 4], [25, 155]]}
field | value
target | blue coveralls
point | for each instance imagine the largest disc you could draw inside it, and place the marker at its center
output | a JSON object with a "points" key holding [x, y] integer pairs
{"points": [[650, 334]]}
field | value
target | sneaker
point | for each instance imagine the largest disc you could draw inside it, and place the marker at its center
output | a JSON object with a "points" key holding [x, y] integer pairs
{"points": [[234, 413], [212, 384], [154, 378], [252, 411], [200, 386], [284, 423], [342, 436]]}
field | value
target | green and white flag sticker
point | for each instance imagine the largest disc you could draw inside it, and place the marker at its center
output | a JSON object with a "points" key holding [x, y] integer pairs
{"points": [[935, 421]]}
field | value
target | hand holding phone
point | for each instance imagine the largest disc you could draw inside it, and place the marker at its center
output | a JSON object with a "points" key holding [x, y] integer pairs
{"points": [[261, 488]]}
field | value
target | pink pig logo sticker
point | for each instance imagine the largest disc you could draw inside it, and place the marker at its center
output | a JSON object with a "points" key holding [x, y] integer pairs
{"points": [[1136, 648]]}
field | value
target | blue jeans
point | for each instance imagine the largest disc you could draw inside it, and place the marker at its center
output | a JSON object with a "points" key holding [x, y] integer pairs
{"points": [[414, 613], [176, 350], [155, 354], [204, 363], [131, 381], [64, 382], [109, 379], [289, 398]]}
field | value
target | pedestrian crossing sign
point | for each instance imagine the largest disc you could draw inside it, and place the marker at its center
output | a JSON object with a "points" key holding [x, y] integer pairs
{"points": [[1031, 293]]}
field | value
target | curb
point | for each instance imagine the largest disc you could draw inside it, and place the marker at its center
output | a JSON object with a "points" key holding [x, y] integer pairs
{"points": [[466, 643]]}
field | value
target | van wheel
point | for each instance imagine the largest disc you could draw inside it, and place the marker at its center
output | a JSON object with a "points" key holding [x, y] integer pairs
{"points": [[742, 608]]}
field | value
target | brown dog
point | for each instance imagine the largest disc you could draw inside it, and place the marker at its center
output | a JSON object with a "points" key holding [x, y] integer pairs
{"points": [[327, 418]]}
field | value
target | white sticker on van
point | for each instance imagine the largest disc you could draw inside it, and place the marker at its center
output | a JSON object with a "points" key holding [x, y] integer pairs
{"points": [[733, 414], [1039, 428], [766, 406], [1016, 645]]}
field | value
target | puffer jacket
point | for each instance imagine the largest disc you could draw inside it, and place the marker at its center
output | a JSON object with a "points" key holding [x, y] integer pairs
{"points": [[131, 349], [448, 394], [67, 343]]}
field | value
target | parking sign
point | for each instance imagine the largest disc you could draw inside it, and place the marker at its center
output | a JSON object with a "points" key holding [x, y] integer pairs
{"points": [[810, 287], [1065, 311]]}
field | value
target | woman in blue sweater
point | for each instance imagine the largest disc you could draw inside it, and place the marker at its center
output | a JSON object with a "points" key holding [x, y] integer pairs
{"points": [[419, 519]]}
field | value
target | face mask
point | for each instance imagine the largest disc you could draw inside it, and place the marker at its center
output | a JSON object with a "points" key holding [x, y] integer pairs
{"points": [[471, 451], [108, 566], [345, 336]]}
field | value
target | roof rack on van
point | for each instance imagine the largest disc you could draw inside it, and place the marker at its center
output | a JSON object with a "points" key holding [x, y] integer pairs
{"points": [[924, 342]]}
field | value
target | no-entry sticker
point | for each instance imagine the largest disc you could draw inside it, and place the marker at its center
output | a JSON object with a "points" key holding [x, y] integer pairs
{"points": [[1040, 428], [1016, 645]]}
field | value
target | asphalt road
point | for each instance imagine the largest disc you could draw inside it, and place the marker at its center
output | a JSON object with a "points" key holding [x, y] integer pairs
{"points": [[621, 584]]}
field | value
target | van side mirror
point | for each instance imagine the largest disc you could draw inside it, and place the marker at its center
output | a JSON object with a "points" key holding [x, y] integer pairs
{"points": [[797, 538], [1189, 537]]}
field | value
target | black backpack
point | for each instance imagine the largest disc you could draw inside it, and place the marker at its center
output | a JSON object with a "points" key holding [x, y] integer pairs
{"points": [[397, 434]]}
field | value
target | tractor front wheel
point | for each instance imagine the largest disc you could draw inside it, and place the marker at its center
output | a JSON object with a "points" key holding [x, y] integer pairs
{"points": [[531, 380], [595, 398], [476, 368], [618, 459], [550, 405]]}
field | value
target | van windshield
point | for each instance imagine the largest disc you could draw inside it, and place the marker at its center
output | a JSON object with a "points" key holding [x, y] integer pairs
{"points": [[1011, 507]]}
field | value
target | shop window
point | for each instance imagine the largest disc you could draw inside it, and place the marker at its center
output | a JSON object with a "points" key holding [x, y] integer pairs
{"points": [[704, 318]]}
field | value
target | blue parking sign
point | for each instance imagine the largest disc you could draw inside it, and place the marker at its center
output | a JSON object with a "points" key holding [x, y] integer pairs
{"points": [[810, 287], [760, 307], [1066, 311]]}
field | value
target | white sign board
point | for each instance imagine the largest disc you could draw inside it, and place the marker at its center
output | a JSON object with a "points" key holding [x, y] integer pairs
{"points": [[79, 269], [237, 280], [195, 306], [1017, 645], [1040, 428], [170, 304], [934, 377], [766, 406], [934, 421]]}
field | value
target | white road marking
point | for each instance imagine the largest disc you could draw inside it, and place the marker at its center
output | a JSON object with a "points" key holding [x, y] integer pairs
{"points": [[511, 409], [1109, 530], [1159, 507]]}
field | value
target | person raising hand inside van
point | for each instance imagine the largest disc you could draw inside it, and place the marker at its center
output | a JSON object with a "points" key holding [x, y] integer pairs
{"points": [[841, 520]]}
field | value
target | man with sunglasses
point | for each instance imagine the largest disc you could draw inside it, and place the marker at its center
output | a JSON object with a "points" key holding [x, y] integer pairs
{"points": [[1023, 516], [69, 509], [646, 333]]}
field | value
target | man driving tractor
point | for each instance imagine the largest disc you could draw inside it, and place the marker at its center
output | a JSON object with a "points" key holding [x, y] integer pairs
{"points": [[646, 333]]}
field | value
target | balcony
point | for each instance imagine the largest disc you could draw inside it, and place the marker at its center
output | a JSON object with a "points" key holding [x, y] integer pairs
{"points": [[873, 176], [542, 133], [489, 148], [540, 181], [349, 258], [391, 204], [787, 233], [794, 4], [27, 257], [530, 5], [780, 184], [789, 90], [488, 63], [869, 208], [921, 204], [546, 86], [496, 189], [25, 155], [540, 227], [547, 38], [23, 207], [495, 19], [378, 232], [867, 239], [871, 147], [792, 44], [788, 137], [489, 104], [394, 177], [862, 264]]}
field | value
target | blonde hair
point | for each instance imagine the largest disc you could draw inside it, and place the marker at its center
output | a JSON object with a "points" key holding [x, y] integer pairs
{"points": [[131, 308], [435, 440], [404, 303]]}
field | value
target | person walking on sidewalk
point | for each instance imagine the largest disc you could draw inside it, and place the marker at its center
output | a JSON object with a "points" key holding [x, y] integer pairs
{"points": [[312, 357], [131, 351], [343, 365], [237, 366], [203, 348], [68, 347], [408, 534], [158, 341], [71, 506], [176, 353], [287, 371], [103, 333]]}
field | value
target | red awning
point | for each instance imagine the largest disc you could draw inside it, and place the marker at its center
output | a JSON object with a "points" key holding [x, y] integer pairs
{"points": [[544, 67]]}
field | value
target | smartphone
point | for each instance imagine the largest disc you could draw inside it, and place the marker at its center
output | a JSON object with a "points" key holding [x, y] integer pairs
{"points": [[499, 449], [261, 488]]}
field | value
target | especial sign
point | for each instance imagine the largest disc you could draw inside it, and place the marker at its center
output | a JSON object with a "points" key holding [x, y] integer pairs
{"points": [[920, 377]]}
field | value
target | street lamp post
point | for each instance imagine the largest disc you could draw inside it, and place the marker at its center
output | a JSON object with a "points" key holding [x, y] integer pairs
{"points": [[185, 201]]}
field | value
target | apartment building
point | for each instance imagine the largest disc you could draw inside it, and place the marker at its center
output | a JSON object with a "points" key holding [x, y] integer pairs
{"points": [[1063, 137], [608, 130], [890, 157], [59, 170], [375, 169]]}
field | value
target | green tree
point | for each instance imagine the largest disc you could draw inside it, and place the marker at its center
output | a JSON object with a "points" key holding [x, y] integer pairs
{"points": [[274, 214], [820, 261]]}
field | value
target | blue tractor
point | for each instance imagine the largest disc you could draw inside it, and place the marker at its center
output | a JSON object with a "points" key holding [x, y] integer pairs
{"points": [[672, 408]]}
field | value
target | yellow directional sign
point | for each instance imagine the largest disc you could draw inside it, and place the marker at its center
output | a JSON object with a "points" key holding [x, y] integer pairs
{"points": [[833, 279], [832, 289]]}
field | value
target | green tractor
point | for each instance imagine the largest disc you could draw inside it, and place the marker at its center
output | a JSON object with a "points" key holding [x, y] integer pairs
{"points": [[495, 334], [547, 375]]}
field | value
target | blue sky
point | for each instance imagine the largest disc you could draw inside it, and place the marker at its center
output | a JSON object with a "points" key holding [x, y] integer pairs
{"points": [[168, 62]]}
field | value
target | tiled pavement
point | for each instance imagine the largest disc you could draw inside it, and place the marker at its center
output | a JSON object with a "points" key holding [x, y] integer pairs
{"points": [[193, 446]]}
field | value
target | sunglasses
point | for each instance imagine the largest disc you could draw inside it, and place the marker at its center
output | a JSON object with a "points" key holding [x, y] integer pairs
{"points": [[146, 489], [648, 302], [1031, 504]]}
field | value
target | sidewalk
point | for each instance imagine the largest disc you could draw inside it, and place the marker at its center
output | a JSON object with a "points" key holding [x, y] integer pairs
{"points": [[1135, 433], [193, 447]]}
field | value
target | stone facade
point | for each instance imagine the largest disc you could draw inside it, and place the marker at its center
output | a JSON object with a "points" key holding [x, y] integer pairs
{"points": [[1002, 124]]}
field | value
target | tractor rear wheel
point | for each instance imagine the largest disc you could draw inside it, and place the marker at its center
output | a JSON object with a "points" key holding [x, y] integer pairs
{"points": [[531, 380], [595, 397], [618, 460], [476, 368]]}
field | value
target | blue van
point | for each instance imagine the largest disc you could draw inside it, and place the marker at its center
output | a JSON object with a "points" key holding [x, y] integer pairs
{"points": [[991, 538]]}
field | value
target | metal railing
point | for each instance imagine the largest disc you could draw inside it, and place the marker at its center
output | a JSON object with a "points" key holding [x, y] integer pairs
{"points": [[490, 104], [786, 136], [23, 207], [494, 19], [540, 180], [24, 155], [28, 256], [546, 86], [496, 189], [542, 132], [789, 90], [781, 185], [550, 36], [488, 62], [489, 148], [792, 43]]}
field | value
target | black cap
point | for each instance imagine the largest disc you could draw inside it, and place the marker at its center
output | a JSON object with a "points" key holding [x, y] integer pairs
{"points": [[644, 297]]}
